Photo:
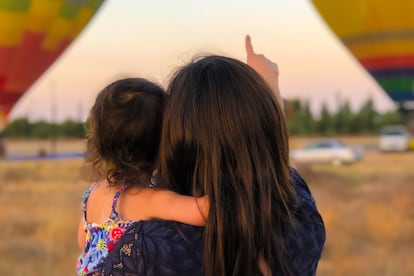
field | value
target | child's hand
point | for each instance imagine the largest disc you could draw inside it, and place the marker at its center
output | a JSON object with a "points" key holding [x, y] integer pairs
{"points": [[265, 67]]}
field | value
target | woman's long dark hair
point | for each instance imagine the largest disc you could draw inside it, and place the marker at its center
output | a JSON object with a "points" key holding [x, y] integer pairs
{"points": [[224, 135]]}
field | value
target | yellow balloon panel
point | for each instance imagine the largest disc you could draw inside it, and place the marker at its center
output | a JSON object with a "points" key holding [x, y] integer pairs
{"points": [[352, 17], [41, 13], [336, 13], [12, 26], [383, 48], [57, 33]]}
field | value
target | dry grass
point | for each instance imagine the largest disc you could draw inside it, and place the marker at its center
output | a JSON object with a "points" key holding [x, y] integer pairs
{"points": [[40, 203], [367, 208]]}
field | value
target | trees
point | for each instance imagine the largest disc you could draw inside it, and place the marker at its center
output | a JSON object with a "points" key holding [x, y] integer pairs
{"points": [[300, 120], [366, 120], [325, 124], [23, 128], [20, 127]]}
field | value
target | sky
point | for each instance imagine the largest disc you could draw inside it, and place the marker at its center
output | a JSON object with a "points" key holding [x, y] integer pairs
{"points": [[150, 39]]}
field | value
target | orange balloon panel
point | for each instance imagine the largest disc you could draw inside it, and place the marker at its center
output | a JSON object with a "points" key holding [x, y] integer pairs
{"points": [[33, 34], [380, 35]]}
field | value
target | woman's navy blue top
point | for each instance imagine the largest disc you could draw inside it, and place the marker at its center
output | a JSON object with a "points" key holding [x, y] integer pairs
{"points": [[156, 247]]}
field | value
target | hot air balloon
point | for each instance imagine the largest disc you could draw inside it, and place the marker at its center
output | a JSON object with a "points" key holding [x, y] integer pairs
{"points": [[33, 34], [380, 35]]}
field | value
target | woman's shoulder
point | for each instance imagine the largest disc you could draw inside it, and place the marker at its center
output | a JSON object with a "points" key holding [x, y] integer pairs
{"points": [[156, 247], [306, 243], [300, 185], [305, 205]]}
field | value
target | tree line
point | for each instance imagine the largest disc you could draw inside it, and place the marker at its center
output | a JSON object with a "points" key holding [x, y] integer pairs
{"points": [[23, 128], [300, 119], [366, 120]]}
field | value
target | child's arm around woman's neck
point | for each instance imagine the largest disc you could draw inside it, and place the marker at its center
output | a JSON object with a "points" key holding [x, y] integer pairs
{"points": [[147, 203]]}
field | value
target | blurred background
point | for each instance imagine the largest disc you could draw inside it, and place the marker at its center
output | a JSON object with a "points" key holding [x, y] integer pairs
{"points": [[346, 73]]}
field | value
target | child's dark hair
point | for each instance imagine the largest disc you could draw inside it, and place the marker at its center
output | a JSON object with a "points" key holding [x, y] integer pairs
{"points": [[124, 130]]}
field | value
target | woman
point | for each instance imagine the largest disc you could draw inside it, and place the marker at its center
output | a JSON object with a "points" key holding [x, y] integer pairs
{"points": [[224, 136]]}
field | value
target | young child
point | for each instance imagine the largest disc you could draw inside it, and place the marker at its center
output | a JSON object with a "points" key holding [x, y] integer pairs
{"points": [[124, 129]]}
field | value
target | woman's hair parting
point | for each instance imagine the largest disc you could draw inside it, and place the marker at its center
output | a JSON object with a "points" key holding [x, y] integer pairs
{"points": [[124, 131], [225, 136]]}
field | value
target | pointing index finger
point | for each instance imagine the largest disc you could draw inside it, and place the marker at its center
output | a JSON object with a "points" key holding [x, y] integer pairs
{"points": [[249, 47]]}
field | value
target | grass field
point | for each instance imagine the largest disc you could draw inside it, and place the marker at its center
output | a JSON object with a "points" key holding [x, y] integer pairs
{"points": [[367, 208]]}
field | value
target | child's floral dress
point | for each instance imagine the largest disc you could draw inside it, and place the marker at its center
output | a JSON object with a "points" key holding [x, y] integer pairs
{"points": [[100, 238]]}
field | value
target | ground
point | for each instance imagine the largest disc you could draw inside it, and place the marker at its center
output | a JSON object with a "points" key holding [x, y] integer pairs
{"points": [[367, 208]]}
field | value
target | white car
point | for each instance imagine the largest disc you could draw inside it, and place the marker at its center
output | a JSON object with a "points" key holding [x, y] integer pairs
{"points": [[394, 138], [327, 151]]}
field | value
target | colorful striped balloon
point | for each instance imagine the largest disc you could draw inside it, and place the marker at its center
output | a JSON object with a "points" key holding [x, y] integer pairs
{"points": [[33, 34], [380, 34]]}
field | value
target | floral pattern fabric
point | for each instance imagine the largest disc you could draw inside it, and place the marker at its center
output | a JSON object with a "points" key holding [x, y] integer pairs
{"points": [[100, 238]]}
